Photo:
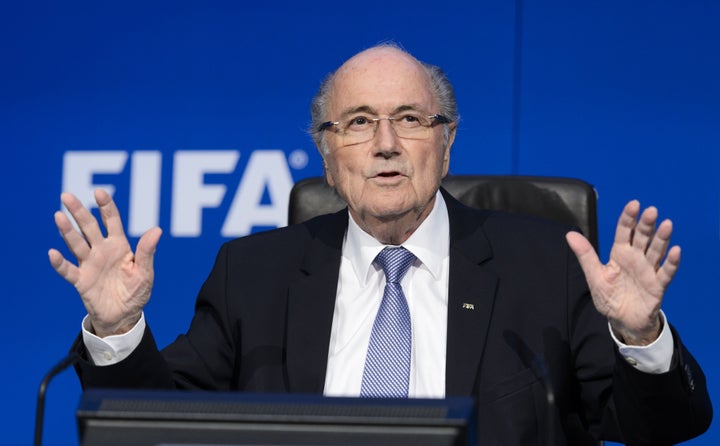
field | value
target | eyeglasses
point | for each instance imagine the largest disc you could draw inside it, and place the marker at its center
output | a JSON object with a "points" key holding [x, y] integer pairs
{"points": [[357, 129]]}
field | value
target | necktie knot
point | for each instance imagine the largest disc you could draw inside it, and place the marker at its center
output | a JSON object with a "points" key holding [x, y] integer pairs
{"points": [[395, 262]]}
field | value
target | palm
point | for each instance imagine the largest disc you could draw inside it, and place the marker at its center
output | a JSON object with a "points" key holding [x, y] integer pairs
{"points": [[110, 283], [113, 283], [629, 289]]}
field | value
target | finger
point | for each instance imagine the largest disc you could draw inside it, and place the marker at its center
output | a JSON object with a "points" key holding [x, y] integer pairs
{"points": [[626, 222], [586, 255], [659, 243], [65, 269], [644, 229], [73, 239], [668, 269], [109, 213], [85, 220], [145, 251]]}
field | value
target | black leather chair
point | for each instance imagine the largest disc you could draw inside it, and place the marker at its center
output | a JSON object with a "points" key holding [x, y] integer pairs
{"points": [[566, 200]]}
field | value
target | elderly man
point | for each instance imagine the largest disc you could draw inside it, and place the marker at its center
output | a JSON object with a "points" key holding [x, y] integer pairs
{"points": [[407, 292]]}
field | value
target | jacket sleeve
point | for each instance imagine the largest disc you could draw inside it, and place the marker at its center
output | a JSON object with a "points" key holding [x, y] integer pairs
{"points": [[662, 409], [201, 359]]}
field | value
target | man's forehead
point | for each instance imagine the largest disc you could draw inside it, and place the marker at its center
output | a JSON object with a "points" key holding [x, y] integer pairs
{"points": [[384, 78], [385, 61]]}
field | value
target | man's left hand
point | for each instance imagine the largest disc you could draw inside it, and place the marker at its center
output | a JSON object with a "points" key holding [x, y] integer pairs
{"points": [[629, 289]]}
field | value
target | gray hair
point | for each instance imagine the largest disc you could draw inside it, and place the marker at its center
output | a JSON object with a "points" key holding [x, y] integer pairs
{"points": [[440, 84]]}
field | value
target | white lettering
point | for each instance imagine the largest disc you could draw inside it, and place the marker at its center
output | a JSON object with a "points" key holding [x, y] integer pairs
{"points": [[265, 169], [145, 171], [78, 171], [266, 175], [190, 194]]}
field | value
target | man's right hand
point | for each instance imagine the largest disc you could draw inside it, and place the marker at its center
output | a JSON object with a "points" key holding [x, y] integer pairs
{"points": [[114, 283]]}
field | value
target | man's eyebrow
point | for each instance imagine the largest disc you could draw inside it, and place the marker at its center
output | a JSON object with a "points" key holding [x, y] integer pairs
{"points": [[402, 108], [369, 110], [359, 109]]}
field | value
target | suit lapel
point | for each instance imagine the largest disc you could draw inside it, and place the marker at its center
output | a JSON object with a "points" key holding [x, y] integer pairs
{"points": [[311, 303], [471, 297]]}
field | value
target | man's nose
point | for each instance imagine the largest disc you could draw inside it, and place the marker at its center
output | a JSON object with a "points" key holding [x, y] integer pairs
{"points": [[386, 140]]}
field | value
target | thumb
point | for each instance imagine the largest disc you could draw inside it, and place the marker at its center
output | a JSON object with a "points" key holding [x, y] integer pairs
{"points": [[145, 251], [585, 253]]}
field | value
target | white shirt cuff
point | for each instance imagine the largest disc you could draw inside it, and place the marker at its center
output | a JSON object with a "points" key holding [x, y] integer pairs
{"points": [[653, 358], [112, 349]]}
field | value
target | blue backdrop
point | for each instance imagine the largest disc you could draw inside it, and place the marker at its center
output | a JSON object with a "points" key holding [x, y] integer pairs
{"points": [[195, 116]]}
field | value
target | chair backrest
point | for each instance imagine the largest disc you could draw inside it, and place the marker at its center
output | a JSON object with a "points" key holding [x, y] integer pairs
{"points": [[566, 200]]}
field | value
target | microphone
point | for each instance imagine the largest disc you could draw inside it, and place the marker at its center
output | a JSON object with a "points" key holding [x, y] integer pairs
{"points": [[536, 363], [64, 363], [540, 370]]}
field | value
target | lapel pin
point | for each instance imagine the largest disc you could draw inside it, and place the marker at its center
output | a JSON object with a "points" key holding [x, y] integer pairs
{"points": [[467, 306]]}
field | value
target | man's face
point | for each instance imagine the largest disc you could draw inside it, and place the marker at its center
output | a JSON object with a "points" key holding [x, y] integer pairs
{"points": [[386, 177]]}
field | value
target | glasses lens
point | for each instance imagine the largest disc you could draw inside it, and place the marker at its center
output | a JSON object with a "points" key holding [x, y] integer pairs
{"points": [[411, 125], [407, 125], [357, 129]]}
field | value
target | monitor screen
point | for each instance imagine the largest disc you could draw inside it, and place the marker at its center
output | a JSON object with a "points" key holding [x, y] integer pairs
{"points": [[167, 418]]}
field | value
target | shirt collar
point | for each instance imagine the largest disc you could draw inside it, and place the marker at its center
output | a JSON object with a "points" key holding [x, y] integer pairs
{"points": [[430, 243]]}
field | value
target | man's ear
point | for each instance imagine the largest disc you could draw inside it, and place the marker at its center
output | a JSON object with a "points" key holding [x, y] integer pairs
{"points": [[328, 175], [326, 168], [446, 154], [451, 137]]}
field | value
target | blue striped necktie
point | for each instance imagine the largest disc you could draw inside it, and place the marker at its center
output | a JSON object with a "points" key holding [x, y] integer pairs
{"points": [[387, 366]]}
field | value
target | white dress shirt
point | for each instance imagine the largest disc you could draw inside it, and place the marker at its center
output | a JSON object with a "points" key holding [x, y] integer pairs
{"points": [[359, 291]]}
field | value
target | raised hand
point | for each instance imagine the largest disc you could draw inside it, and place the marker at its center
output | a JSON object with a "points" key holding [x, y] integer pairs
{"points": [[629, 289], [114, 283]]}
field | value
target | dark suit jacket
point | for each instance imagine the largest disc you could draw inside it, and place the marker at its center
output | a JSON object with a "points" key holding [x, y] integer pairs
{"points": [[263, 318]]}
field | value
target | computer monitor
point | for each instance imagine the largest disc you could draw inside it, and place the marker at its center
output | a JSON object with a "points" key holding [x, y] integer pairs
{"points": [[168, 418]]}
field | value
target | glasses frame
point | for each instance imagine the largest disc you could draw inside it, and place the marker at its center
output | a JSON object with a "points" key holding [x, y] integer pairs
{"points": [[434, 119]]}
